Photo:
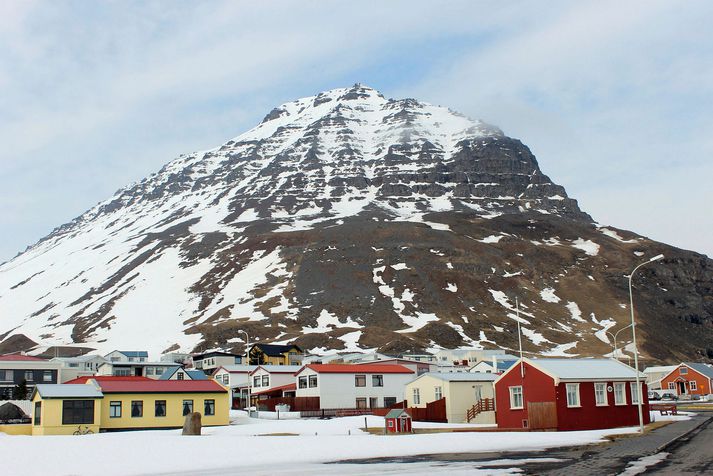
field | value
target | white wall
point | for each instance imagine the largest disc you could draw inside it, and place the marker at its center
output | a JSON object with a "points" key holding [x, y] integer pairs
{"points": [[339, 390]]}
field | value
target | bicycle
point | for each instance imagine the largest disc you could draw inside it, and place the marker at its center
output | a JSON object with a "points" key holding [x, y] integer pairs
{"points": [[86, 431]]}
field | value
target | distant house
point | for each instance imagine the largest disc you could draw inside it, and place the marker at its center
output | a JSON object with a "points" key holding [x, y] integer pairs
{"points": [[16, 368], [569, 394], [655, 374], [209, 361], [418, 367], [175, 357], [237, 378], [126, 403], [127, 356], [73, 367], [462, 392], [353, 386], [689, 378], [274, 354], [492, 367], [179, 373], [468, 357], [266, 377], [136, 368]]}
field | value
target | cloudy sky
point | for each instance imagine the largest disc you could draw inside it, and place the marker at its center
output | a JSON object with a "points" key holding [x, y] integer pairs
{"points": [[615, 98]]}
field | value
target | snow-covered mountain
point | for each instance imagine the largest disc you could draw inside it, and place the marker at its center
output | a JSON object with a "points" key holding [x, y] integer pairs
{"points": [[347, 220]]}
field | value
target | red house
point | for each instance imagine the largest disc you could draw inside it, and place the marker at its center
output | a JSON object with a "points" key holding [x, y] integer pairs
{"points": [[398, 420], [689, 378], [568, 394]]}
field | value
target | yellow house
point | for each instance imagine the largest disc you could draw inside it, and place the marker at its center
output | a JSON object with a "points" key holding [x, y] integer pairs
{"points": [[127, 403], [60, 409], [461, 390], [273, 354]]}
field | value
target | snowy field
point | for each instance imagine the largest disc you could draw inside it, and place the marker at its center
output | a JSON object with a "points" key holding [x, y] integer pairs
{"points": [[265, 447]]}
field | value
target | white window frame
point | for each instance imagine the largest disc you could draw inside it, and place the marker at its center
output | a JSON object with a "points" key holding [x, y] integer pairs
{"points": [[671, 386], [683, 371], [575, 386], [416, 396], [603, 387], [621, 385], [439, 392], [635, 401], [693, 385], [512, 397]]}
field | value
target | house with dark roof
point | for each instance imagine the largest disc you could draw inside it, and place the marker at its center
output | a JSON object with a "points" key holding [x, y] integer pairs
{"points": [[688, 379], [18, 368], [127, 356], [275, 354], [569, 394], [179, 373], [208, 362]]}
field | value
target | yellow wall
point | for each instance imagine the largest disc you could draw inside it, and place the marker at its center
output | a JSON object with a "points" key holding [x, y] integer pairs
{"points": [[51, 421], [19, 429], [174, 410]]}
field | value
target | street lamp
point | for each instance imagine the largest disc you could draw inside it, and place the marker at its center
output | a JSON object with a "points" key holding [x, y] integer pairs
{"points": [[613, 336], [247, 358], [639, 395]]}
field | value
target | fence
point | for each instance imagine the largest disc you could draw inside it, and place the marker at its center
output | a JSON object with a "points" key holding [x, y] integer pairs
{"points": [[296, 404], [433, 412]]}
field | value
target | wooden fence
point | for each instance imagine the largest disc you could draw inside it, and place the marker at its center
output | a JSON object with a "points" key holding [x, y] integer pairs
{"points": [[297, 404]]}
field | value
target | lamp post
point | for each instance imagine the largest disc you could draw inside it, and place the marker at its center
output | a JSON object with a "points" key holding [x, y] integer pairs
{"points": [[613, 336], [247, 358], [636, 347]]}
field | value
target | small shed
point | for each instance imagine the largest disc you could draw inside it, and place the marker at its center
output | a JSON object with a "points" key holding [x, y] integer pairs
{"points": [[398, 420]]}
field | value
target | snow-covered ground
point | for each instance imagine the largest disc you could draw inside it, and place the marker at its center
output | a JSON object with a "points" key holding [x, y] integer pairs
{"points": [[251, 445]]}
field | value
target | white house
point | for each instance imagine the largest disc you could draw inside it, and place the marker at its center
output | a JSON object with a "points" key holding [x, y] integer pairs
{"points": [[462, 391], [237, 378], [353, 386], [266, 377], [418, 367], [152, 370], [80, 366], [208, 362], [127, 356], [655, 374]]}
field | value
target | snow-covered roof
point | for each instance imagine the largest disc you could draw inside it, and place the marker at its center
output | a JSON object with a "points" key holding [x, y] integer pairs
{"points": [[61, 390], [585, 369], [659, 368], [237, 368]]}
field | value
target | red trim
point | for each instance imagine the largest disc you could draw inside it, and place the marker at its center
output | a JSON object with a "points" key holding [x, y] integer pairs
{"points": [[159, 386]]}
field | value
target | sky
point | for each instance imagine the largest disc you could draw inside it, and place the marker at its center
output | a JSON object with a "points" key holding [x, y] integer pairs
{"points": [[615, 98]]}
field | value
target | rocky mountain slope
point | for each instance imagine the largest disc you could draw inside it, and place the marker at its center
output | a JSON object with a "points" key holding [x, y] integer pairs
{"points": [[350, 221]]}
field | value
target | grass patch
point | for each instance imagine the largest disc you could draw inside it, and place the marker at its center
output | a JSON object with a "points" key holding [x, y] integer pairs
{"points": [[278, 434], [647, 429]]}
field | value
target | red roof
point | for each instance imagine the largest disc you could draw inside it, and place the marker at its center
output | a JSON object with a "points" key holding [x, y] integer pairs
{"points": [[359, 369], [160, 386], [108, 378], [19, 357], [282, 388]]}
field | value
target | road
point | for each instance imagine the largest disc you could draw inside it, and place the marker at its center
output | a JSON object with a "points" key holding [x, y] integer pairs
{"points": [[692, 454]]}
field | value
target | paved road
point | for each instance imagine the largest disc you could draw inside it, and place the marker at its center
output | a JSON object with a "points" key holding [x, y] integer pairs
{"points": [[692, 454]]}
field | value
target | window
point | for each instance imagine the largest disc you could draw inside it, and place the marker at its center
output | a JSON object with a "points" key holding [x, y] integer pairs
{"points": [[187, 407], [312, 381], [683, 370], [600, 394], [38, 413], [439, 393], [478, 393], [391, 423], [179, 376], [256, 381], [6, 375], [149, 370], [671, 386], [693, 384], [265, 380], [377, 380], [137, 408], [160, 408], [416, 396], [122, 372], [389, 401], [374, 402], [361, 402], [29, 375], [573, 395], [302, 382], [114, 409], [77, 412], [516, 398], [360, 380], [619, 394], [73, 364], [634, 393], [159, 371], [47, 376], [226, 379]]}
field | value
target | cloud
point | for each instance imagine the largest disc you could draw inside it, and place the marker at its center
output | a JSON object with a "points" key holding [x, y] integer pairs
{"points": [[99, 94]]}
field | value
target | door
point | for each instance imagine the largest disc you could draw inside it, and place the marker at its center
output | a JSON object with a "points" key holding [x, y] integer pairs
{"points": [[137, 371], [681, 387], [478, 393], [542, 415]]}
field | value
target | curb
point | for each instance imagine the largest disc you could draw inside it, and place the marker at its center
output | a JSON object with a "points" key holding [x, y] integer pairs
{"points": [[664, 446]]}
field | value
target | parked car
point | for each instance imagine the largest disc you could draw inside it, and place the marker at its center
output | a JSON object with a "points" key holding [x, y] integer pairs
{"points": [[669, 396], [654, 396]]}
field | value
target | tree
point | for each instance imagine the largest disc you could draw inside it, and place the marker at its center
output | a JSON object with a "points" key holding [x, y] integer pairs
{"points": [[20, 391]]}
